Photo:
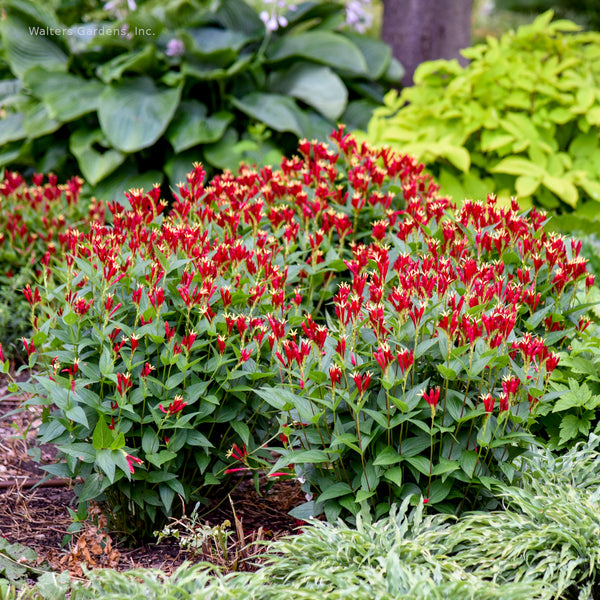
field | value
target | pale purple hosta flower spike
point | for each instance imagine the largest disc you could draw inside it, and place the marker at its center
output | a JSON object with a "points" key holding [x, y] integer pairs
{"points": [[273, 19], [175, 48], [357, 17]]}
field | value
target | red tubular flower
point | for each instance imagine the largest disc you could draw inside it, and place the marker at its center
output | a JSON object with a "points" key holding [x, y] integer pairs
{"points": [[362, 381], [405, 360], [335, 374], [133, 459], [488, 403], [432, 397], [123, 382], [238, 453], [29, 347], [177, 405], [148, 368], [1, 354]]}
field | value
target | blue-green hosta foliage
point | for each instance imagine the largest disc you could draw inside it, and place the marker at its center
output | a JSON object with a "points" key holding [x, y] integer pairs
{"points": [[523, 116], [543, 546], [127, 103]]}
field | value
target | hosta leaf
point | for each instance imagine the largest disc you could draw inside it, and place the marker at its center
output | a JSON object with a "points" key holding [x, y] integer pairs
{"points": [[191, 126], [94, 165], [133, 114], [317, 86], [24, 50], [325, 47], [66, 96], [377, 54], [125, 178], [11, 128], [138, 61], [37, 122], [275, 110]]}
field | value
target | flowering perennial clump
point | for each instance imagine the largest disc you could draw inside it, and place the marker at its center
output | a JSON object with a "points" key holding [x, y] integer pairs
{"points": [[337, 312], [33, 222]]}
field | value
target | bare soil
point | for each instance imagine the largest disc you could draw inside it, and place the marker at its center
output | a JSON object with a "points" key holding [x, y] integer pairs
{"points": [[38, 516]]}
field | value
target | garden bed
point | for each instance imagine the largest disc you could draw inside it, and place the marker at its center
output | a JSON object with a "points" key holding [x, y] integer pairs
{"points": [[38, 517]]}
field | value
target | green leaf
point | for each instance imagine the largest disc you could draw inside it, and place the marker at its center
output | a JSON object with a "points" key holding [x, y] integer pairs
{"points": [[325, 47], [468, 460], [307, 456], [242, 430], [82, 97], [191, 126], [388, 456], [275, 110], [102, 437], [563, 188], [158, 459], [377, 54], [334, 491], [166, 496], [577, 396], [439, 490], [106, 463], [24, 50], [571, 426], [137, 61], [516, 165], [526, 185], [420, 463], [11, 128], [445, 466], [134, 113], [394, 475], [94, 165], [77, 415], [317, 86], [37, 122]]}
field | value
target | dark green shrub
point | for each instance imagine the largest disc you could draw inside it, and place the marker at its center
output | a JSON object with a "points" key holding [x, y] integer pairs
{"points": [[524, 115], [126, 103]]}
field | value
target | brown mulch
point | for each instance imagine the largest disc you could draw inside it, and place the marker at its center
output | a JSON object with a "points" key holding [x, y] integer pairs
{"points": [[38, 517]]}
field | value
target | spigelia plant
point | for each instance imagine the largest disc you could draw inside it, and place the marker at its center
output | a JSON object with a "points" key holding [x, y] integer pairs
{"points": [[336, 311], [166, 326], [33, 219], [524, 114]]}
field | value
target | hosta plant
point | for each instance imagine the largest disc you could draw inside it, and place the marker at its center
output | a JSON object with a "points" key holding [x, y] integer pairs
{"points": [[33, 220], [338, 311], [170, 83], [524, 114]]}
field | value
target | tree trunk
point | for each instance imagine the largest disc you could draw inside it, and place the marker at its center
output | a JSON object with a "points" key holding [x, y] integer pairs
{"points": [[420, 30]]}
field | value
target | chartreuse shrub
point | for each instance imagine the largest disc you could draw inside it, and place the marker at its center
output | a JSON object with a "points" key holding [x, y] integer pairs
{"points": [[542, 546], [128, 102], [338, 312], [33, 219], [523, 115]]}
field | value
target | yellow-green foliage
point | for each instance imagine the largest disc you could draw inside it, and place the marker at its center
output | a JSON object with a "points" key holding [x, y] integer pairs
{"points": [[523, 116]]}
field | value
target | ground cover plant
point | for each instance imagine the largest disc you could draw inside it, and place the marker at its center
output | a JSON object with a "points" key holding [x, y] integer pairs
{"points": [[543, 545], [33, 220], [337, 312], [171, 82], [524, 115]]}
